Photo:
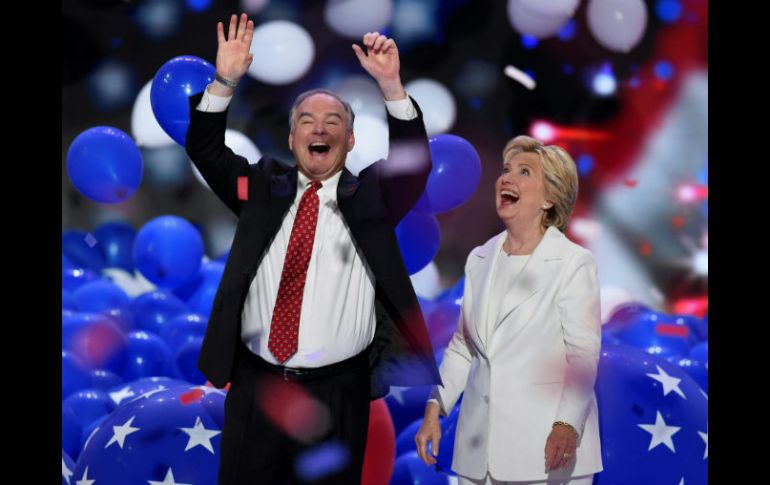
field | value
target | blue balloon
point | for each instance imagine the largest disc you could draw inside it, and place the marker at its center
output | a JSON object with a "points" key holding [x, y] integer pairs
{"points": [[199, 292], [658, 334], [453, 293], [623, 315], [182, 329], [173, 84], [426, 306], [187, 361], [67, 302], [74, 278], [105, 165], [409, 469], [406, 404], [442, 322], [71, 432], [122, 316], [67, 467], [419, 237], [153, 310], [90, 429], [454, 177], [147, 355], [168, 251], [116, 242], [66, 263], [202, 299], [700, 352], [82, 250], [695, 369], [130, 391], [186, 291], [74, 374], [97, 296], [89, 405], [647, 406], [447, 443], [405, 439], [104, 380], [96, 340], [608, 339], [176, 431], [699, 326]]}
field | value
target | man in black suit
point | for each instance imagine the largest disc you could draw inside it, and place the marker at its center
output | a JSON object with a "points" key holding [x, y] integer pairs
{"points": [[315, 314]]}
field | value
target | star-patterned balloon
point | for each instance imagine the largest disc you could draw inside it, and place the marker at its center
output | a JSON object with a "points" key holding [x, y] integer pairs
{"points": [[653, 419], [67, 465], [163, 437], [142, 388]]}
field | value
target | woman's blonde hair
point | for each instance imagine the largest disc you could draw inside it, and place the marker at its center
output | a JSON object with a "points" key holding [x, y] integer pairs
{"points": [[559, 175]]}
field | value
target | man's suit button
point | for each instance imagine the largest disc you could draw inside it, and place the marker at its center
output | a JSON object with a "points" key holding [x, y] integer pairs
{"points": [[486, 399]]}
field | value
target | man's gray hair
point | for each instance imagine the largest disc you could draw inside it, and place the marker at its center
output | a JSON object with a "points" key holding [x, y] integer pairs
{"points": [[302, 97]]}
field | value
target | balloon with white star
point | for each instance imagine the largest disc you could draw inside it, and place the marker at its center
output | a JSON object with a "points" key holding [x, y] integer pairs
{"points": [[71, 432], [406, 404], [67, 465], [653, 419], [169, 437], [142, 388]]}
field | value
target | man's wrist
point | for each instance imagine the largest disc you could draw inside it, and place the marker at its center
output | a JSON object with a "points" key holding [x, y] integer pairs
{"points": [[393, 91]]}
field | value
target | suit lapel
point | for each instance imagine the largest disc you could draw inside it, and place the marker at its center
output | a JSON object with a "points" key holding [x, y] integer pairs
{"points": [[485, 260]]}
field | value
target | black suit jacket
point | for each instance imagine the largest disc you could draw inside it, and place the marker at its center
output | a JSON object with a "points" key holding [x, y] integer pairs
{"points": [[372, 204]]}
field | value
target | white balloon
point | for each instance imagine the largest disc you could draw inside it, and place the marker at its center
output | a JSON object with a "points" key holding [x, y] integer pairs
{"points": [[551, 8], [363, 94], [528, 22], [283, 52], [618, 25], [144, 127], [241, 145], [354, 18], [426, 282], [253, 7], [371, 143], [436, 102], [133, 285]]}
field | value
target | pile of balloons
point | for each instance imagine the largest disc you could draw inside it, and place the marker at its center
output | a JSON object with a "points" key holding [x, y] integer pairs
{"points": [[135, 307]]}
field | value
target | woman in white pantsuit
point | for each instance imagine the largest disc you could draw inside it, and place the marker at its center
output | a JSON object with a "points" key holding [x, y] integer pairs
{"points": [[527, 345]]}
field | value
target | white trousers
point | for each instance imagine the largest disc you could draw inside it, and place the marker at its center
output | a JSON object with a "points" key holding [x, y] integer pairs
{"points": [[488, 480]]}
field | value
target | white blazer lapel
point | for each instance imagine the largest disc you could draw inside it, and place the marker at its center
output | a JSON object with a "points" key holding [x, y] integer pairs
{"points": [[538, 272], [482, 278]]}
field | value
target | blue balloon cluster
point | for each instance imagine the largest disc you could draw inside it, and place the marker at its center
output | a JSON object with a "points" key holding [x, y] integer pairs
{"points": [[118, 345]]}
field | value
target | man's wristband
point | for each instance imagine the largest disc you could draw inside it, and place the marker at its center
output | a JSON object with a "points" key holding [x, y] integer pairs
{"points": [[224, 81]]}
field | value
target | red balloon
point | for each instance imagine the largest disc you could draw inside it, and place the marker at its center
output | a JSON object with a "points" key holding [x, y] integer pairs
{"points": [[380, 445]]}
